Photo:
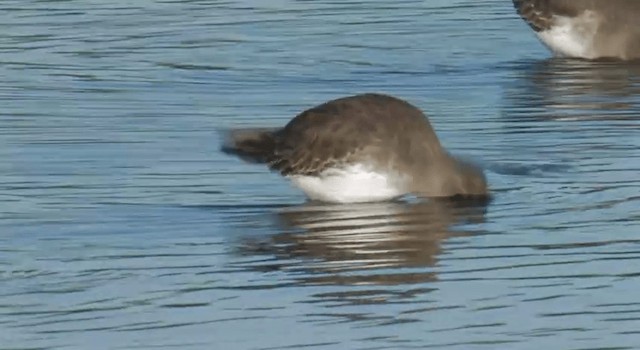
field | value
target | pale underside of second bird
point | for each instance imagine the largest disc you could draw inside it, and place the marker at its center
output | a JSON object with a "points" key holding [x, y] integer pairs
{"points": [[362, 148], [589, 29]]}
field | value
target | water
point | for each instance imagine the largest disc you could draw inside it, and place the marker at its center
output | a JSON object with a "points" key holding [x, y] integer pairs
{"points": [[123, 226]]}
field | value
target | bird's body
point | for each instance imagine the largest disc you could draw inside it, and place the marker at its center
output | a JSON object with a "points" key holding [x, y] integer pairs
{"points": [[588, 29], [360, 148], [352, 183]]}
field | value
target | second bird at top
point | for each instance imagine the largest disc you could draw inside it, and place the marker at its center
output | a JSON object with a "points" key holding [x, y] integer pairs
{"points": [[588, 29]]}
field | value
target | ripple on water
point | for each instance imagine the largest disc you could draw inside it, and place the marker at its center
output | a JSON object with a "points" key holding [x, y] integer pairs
{"points": [[122, 225]]}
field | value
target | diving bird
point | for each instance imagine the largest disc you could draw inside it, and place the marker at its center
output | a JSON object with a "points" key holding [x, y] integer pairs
{"points": [[361, 148], [587, 29]]}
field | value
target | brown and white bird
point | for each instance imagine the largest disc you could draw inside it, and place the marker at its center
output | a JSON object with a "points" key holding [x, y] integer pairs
{"points": [[588, 29], [361, 148]]}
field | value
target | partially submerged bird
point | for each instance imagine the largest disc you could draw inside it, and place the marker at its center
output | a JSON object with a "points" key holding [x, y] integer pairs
{"points": [[361, 148], [588, 29]]}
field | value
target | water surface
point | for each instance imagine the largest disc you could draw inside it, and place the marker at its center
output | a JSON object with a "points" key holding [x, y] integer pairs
{"points": [[122, 226]]}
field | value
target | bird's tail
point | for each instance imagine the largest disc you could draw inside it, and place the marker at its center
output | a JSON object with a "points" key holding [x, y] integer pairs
{"points": [[251, 145]]}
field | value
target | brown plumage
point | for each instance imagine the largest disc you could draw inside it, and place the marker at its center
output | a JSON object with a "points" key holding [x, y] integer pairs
{"points": [[387, 134], [538, 14], [603, 28]]}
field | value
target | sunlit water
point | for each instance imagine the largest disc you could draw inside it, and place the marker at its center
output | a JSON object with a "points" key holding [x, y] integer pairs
{"points": [[122, 226]]}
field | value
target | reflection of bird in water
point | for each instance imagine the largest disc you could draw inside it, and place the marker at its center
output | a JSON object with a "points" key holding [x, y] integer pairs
{"points": [[589, 29], [362, 148], [382, 243], [570, 89]]}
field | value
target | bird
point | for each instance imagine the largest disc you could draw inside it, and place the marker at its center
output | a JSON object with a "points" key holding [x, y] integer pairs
{"points": [[585, 29], [368, 147]]}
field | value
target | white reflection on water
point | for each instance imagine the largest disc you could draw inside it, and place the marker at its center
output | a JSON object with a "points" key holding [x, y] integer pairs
{"points": [[122, 225]]}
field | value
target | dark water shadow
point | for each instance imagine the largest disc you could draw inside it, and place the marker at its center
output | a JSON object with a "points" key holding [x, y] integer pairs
{"points": [[566, 89], [375, 245]]}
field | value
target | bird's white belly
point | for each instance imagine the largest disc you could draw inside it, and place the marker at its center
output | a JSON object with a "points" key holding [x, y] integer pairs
{"points": [[350, 184], [571, 37]]}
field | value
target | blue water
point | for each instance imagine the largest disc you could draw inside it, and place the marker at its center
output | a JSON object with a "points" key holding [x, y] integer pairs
{"points": [[122, 226]]}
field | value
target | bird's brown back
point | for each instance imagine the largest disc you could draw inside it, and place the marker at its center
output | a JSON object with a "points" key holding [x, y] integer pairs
{"points": [[351, 128]]}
